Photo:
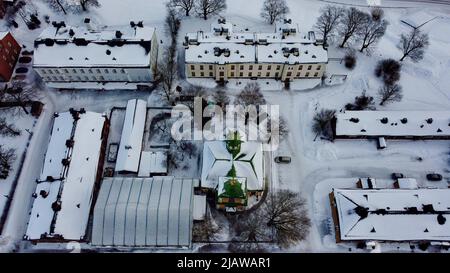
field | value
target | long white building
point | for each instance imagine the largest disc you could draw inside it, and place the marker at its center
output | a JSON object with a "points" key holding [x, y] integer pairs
{"points": [[72, 166], [222, 54], [85, 57]]}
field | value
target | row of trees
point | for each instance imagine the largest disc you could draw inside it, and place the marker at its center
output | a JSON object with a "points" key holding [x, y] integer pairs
{"points": [[201, 8], [73, 6], [351, 24]]}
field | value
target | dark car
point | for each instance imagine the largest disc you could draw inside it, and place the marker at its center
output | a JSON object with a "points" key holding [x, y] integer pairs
{"points": [[434, 177], [396, 176], [283, 159]]}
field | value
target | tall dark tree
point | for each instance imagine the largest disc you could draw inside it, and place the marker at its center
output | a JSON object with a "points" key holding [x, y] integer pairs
{"points": [[285, 211], [7, 158], [184, 5], [388, 70], [274, 10], [204, 8], [413, 45], [350, 24], [8, 129], [328, 21], [371, 32], [390, 93], [322, 123], [89, 3], [250, 95]]}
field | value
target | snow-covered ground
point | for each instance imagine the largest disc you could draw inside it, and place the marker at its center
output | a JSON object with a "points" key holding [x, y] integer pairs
{"points": [[314, 163]]}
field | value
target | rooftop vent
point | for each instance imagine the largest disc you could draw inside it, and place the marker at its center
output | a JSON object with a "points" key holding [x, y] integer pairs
{"points": [[108, 52], [362, 211], [140, 24], [132, 24], [384, 120], [56, 206], [118, 34], [71, 32], [441, 219], [428, 208], [43, 193], [430, 120], [404, 120], [87, 20], [355, 120]]}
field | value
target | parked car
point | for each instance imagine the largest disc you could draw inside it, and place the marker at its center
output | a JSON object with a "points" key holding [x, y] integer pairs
{"points": [[283, 159], [434, 177], [396, 176]]}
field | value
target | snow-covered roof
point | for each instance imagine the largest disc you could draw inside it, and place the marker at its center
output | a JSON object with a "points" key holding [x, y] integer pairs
{"points": [[407, 183], [93, 48], [393, 123], [130, 147], [74, 190], [253, 47], [42, 214], [217, 162], [152, 162], [72, 219], [57, 149], [199, 212], [307, 53], [3, 34], [204, 53], [144, 212], [393, 214]]}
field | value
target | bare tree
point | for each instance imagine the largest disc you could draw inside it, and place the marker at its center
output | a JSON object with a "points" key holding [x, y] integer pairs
{"points": [[283, 129], [362, 102], [285, 211], [167, 71], [205, 231], [273, 10], [413, 45], [7, 129], [377, 13], [185, 5], [19, 95], [322, 123], [328, 20], [371, 31], [250, 231], [89, 3], [390, 93], [221, 98], [350, 24], [350, 59], [251, 95], [172, 25], [7, 158], [58, 5], [388, 70], [204, 8]]}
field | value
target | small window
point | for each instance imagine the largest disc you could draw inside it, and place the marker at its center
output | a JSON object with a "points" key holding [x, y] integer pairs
{"points": [[210, 67], [202, 74], [307, 74], [74, 71], [232, 74], [250, 74], [298, 75], [260, 67], [98, 71], [122, 71], [90, 71], [289, 74], [268, 74], [66, 71], [316, 74], [300, 67], [211, 74], [193, 74], [250, 67], [278, 67], [201, 67], [192, 67], [222, 74], [277, 75], [242, 67], [56, 71], [241, 74], [82, 71], [269, 67], [319, 67], [232, 67], [106, 71], [114, 71], [44, 72], [50, 71], [309, 67]]}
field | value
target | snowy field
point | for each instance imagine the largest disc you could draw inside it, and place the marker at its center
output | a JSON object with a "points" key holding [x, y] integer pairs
{"points": [[314, 163]]}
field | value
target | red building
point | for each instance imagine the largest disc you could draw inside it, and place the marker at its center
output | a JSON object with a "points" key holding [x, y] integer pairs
{"points": [[9, 53]]}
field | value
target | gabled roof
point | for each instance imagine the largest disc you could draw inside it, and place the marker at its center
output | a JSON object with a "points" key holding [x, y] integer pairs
{"points": [[130, 147], [217, 162], [393, 214]]}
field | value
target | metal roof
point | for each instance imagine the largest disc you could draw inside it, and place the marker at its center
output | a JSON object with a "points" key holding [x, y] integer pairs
{"points": [[153, 211]]}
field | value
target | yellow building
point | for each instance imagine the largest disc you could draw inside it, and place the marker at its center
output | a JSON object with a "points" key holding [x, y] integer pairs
{"points": [[283, 55]]}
